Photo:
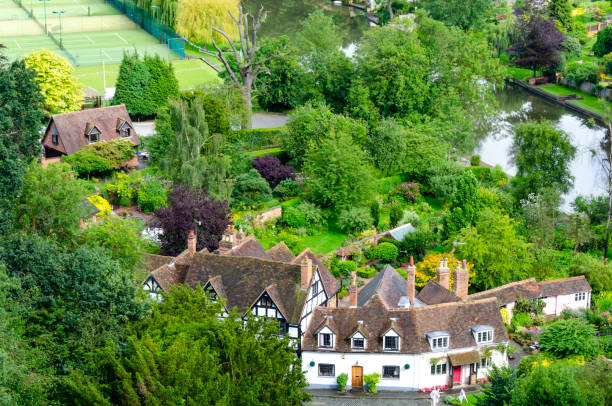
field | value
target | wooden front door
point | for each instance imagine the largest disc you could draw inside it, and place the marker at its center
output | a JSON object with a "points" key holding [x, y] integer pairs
{"points": [[357, 381], [457, 374]]}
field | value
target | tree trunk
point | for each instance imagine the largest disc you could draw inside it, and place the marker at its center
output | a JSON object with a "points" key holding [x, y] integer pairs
{"points": [[247, 105], [390, 10]]}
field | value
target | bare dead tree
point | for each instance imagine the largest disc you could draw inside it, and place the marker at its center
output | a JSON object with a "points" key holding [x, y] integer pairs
{"points": [[248, 65]]}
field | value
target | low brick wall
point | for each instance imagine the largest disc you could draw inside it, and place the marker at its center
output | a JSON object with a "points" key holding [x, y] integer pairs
{"points": [[267, 215]]}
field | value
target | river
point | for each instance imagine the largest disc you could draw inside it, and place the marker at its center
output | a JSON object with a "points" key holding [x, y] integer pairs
{"points": [[515, 104]]}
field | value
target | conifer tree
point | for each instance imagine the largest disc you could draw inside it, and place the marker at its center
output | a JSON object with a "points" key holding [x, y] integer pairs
{"points": [[132, 84]]}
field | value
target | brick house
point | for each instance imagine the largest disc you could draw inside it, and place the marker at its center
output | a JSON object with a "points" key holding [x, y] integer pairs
{"points": [[68, 132]]}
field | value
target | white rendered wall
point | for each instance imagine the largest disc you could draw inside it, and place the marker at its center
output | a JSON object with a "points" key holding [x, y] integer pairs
{"points": [[416, 377], [556, 304]]}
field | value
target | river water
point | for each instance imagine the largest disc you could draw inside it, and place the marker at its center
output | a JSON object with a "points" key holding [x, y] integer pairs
{"points": [[515, 103]]}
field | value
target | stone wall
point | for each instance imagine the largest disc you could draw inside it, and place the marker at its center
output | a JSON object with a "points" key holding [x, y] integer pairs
{"points": [[267, 215]]}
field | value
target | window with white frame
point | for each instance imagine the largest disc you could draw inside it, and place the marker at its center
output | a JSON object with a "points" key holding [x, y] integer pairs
{"points": [[391, 372], [485, 336], [485, 362], [580, 296], [439, 343], [358, 343], [327, 370], [391, 343], [439, 369], [326, 340]]}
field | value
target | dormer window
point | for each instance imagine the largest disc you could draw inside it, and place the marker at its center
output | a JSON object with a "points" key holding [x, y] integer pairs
{"points": [[326, 338], [125, 131], [391, 341], [358, 341], [438, 340], [54, 136], [483, 334], [94, 136]]}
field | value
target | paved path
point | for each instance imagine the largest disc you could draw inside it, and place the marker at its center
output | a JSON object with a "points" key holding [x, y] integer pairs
{"points": [[386, 398], [269, 120]]}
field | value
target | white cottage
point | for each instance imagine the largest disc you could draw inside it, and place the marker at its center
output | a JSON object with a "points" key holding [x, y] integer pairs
{"points": [[411, 344]]}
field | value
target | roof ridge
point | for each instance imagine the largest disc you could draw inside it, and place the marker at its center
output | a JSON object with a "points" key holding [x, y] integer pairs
{"points": [[563, 279], [88, 110], [245, 257], [498, 288], [447, 304]]}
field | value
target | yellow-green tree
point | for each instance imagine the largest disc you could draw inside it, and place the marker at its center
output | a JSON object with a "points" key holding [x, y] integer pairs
{"points": [[195, 19], [62, 92]]}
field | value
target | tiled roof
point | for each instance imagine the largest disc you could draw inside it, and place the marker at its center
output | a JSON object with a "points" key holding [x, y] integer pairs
{"points": [[388, 285], [412, 324], [565, 286], [244, 279], [433, 293], [281, 253], [464, 358], [508, 293], [71, 127], [249, 247], [152, 261], [331, 284]]}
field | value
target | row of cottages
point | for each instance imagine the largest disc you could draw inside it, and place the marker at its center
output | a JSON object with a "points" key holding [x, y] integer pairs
{"points": [[416, 341], [272, 283], [68, 132]]}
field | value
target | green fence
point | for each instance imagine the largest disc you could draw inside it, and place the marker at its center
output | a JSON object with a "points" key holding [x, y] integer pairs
{"points": [[162, 32]]}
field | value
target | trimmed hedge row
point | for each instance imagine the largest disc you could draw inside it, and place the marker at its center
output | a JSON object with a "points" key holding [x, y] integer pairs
{"points": [[259, 137], [366, 272]]}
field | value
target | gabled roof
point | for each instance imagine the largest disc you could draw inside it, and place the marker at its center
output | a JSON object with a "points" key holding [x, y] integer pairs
{"points": [[281, 253], [388, 285], [152, 261], [217, 284], [249, 247], [412, 324], [73, 126], [565, 286], [330, 284], [510, 292], [433, 293], [244, 279], [327, 322]]}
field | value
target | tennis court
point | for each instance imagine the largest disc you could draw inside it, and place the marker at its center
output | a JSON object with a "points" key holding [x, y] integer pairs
{"points": [[90, 48], [70, 8]]}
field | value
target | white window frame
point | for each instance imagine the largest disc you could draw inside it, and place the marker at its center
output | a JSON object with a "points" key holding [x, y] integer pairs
{"points": [[485, 362], [396, 368], [440, 368], [322, 340], [439, 343], [397, 347], [579, 296], [333, 367], [354, 347], [485, 336]]}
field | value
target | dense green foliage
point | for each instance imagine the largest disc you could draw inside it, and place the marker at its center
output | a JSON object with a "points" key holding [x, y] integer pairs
{"points": [[354, 220], [548, 386], [387, 252], [569, 337], [465, 205], [497, 392], [250, 190], [463, 14], [597, 273], [101, 157], [603, 45]]}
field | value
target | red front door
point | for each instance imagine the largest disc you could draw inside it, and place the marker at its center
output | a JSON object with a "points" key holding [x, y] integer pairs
{"points": [[457, 374]]}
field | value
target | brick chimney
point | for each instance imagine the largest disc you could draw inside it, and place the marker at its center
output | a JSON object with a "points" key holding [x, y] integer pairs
{"points": [[411, 272], [227, 241], [191, 242], [460, 277], [306, 273], [444, 274], [353, 290]]}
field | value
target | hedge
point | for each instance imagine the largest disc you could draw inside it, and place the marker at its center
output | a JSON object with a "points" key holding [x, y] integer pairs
{"points": [[366, 272], [259, 137]]}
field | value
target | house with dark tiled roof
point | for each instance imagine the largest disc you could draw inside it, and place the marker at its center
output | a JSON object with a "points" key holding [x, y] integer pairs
{"points": [[248, 279], [68, 132], [410, 343]]}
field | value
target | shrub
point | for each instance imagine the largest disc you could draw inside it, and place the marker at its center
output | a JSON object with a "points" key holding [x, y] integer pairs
{"points": [[342, 379], [395, 214], [569, 337], [286, 188], [598, 274], [417, 243], [371, 381], [572, 46], [582, 72], [475, 160], [354, 220], [101, 204], [152, 195], [345, 268], [271, 169], [259, 137], [250, 190], [366, 272], [498, 391], [370, 252], [603, 45], [520, 319], [375, 212], [304, 215], [535, 306], [409, 191], [387, 252], [122, 190], [86, 163]]}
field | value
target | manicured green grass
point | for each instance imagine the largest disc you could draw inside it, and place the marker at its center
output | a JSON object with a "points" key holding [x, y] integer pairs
{"points": [[262, 152], [326, 242], [590, 102], [519, 73], [190, 73]]}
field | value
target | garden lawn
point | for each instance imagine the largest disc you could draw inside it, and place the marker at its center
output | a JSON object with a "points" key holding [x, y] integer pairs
{"points": [[262, 152], [519, 73], [590, 102], [190, 73]]}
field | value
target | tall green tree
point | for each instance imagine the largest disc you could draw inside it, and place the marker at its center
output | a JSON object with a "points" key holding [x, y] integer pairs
{"points": [[194, 157], [387, 146], [542, 155], [163, 84], [463, 14], [51, 202], [337, 173], [230, 361], [465, 205], [498, 252], [541, 214], [561, 10], [132, 84]]}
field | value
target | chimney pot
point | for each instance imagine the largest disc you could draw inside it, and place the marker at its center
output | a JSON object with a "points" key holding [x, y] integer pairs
{"points": [[410, 281], [460, 277], [353, 290], [191, 242], [444, 274], [306, 273]]}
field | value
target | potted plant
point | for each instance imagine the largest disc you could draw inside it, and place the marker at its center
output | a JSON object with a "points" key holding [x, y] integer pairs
{"points": [[342, 379]]}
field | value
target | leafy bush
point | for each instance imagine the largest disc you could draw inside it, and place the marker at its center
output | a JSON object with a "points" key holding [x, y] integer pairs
{"points": [[395, 214], [582, 72], [354, 220], [152, 195], [86, 163], [341, 380], [122, 190], [250, 190], [375, 212], [569, 337], [409, 191], [498, 391], [548, 385], [520, 319], [417, 243], [305, 214], [371, 380], [598, 274], [366, 272], [572, 46], [535, 306], [475, 160], [286, 188], [101, 204], [603, 45], [271, 169], [342, 293], [387, 252]]}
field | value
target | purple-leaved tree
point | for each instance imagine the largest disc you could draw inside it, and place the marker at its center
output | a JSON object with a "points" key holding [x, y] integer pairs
{"points": [[537, 43], [271, 169], [191, 208]]}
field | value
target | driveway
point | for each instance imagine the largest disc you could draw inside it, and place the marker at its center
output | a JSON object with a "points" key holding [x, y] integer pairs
{"points": [[324, 397], [269, 120]]}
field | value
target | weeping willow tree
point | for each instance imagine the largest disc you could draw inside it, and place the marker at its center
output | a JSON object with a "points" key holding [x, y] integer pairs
{"points": [[195, 19], [195, 157]]}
